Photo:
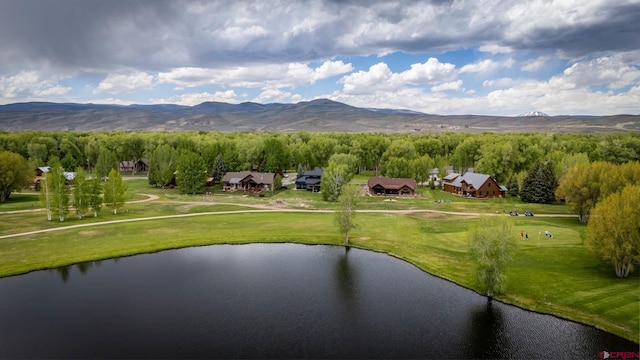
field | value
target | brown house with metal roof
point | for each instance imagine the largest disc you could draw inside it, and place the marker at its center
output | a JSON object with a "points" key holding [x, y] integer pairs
{"points": [[380, 185], [248, 181], [473, 185]]}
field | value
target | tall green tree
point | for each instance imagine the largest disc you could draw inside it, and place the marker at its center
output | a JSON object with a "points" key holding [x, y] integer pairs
{"points": [[584, 184], [95, 195], [162, 165], [491, 244], [115, 191], [60, 192], [333, 178], [107, 160], [421, 168], [339, 172], [277, 155], [15, 173], [613, 231], [346, 212], [191, 173], [397, 167], [81, 192]]}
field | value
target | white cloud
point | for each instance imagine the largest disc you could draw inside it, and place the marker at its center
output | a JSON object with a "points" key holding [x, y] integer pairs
{"points": [[118, 83], [192, 99], [486, 65], [535, 64], [254, 76], [501, 82], [430, 71], [378, 77], [453, 85], [276, 95], [496, 49], [609, 70], [52, 91], [331, 68], [26, 84]]}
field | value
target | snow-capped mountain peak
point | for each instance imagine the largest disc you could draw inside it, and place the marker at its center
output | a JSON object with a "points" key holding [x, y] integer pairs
{"points": [[534, 113]]}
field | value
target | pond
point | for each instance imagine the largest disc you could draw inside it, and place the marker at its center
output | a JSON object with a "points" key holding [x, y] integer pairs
{"points": [[272, 301]]}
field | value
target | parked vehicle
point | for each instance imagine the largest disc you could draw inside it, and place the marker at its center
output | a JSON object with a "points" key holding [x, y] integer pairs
{"points": [[528, 213]]}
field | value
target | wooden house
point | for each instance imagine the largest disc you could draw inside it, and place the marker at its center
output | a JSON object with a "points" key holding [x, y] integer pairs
{"points": [[380, 185], [248, 181], [473, 185], [139, 166]]}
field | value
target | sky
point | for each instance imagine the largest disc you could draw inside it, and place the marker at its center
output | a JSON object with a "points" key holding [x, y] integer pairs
{"points": [[490, 57]]}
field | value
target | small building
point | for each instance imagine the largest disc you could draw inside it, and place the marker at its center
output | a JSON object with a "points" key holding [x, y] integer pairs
{"points": [[380, 185], [310, 180], [473, 185], [42, 169], [248, 181], [141, 165]]}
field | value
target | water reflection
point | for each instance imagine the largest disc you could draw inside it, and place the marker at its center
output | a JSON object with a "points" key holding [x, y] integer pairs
{"points": [[83, 268], [345, 278], [486, 337]]}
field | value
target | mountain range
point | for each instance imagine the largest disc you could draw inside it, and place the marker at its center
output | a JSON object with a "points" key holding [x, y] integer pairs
{"points": [[314, 116]]}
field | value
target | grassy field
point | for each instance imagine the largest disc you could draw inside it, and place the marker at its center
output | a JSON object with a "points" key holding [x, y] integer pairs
{"points": [[556, 276]]}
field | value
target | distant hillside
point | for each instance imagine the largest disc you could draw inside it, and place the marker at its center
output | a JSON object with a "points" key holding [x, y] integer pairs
{"points": [[314, 116]]}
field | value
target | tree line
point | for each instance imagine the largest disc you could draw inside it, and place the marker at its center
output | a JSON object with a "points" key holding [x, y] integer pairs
{"points": [[506, 157]]}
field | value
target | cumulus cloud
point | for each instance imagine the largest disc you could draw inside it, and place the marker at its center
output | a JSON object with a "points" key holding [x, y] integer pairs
{"points": [[192, 99], [279, 46], [117, 83], [535, 64], [428, 72], [501, 82], [486, 65], [378, 77], [453, 85], [608, 70], [254, 76], [161, 35], [30, 84]]}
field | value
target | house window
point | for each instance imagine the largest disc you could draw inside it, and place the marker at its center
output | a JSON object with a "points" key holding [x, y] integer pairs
{"points": [[489, 184]]}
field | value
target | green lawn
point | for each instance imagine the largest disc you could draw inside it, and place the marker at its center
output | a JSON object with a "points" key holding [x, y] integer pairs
{"points": [[556, 276]]}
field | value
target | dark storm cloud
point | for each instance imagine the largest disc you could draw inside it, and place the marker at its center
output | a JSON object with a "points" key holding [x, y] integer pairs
{"points": [[94, 35], [617, 29], [81, 33]]}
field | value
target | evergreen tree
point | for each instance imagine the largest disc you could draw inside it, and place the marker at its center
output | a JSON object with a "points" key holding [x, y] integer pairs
{"points": [[540, 184], [115, 191], [219, 168], [514, 189], [192, 173]]}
